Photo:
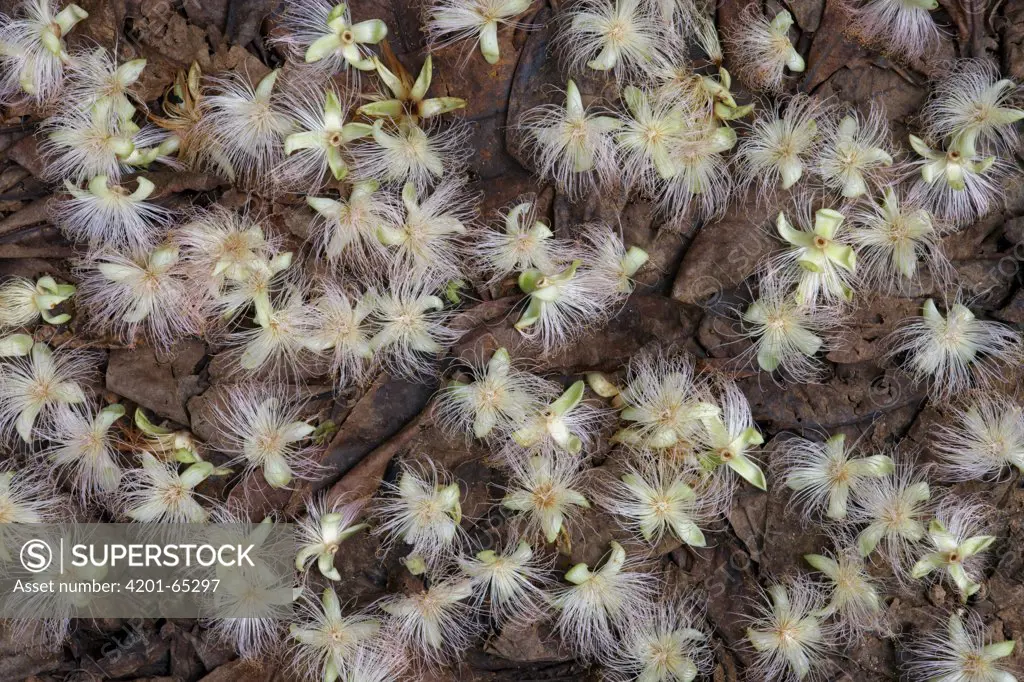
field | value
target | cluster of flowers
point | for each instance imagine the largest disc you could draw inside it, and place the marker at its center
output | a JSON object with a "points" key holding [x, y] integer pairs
{"points": [[882, 505]]}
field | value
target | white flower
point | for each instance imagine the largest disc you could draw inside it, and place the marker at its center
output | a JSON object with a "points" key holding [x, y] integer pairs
{"points": [[854, 598], [823, 261], [655, 497], [27, 496], [322, 33], [158, 493], [33, 54], [106, 214], [326, 640], [609, 260], [423, 511], [777, 146], [856, 153], [498, 401], [452, 21], [790, 642], [894, 509], [665, 402], [702, 179], [342, 330], [39, 384], [823, 475], [954, 350], [23, 302], [247, 124], [626, 37], [524, 242], [904, 28], [894, 237], [80, 443], [954, 544], [566, 424], [571, 145], [562, 305], [971, 101], [652, 129], [763, 49], [147, 294], [730, 437], [322, 532], [427, 239], [666, 643], [959, 653], [598, 602], [347, 231], [412, 326], [250, 604], [510, 582], [219, 244], [407, 152], [95, 76], [544, 491], [322, 143], [788, 334], [284, 338], [260, 426], [983, 437], [435, 624], [958, 184]]}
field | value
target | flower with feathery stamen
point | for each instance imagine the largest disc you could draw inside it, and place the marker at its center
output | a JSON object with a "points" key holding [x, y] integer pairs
{"points": [[854, 601], [23, 302], [666, 643], [855, 151], [702, 179], [651, 130], [776, 147], [33, 54], [158, 493], [412, 325], [600, 601], [95, 76], [346, 231], [427, 239], [656, 497], [730, 436], [326, 640], [525, 242], [664, 401], [423, 511], [563, 304], [825, 262], [219, 244], [893, 237], [39, 383], [609, 260], [971, 101], [626, 37], [247, 125], [954, 350], [983, 438], [571, 145], [789, 640], [284, 336], [322, 532], [823, 475], [499, 400], [958, 184], [904, 28], [566, 424], [895, 508], [435, 623], [257, 285], [107, 214], [145, 294], [342, 330], [323, 141], [79, 145], [27, 497], [321, 33], [261, 428], [544, 490], [80, 442], [959, 653], [956, 545], [406, 152], [452, 21], [509, 582], [409, 102], [763, 49], [787, 333]]}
